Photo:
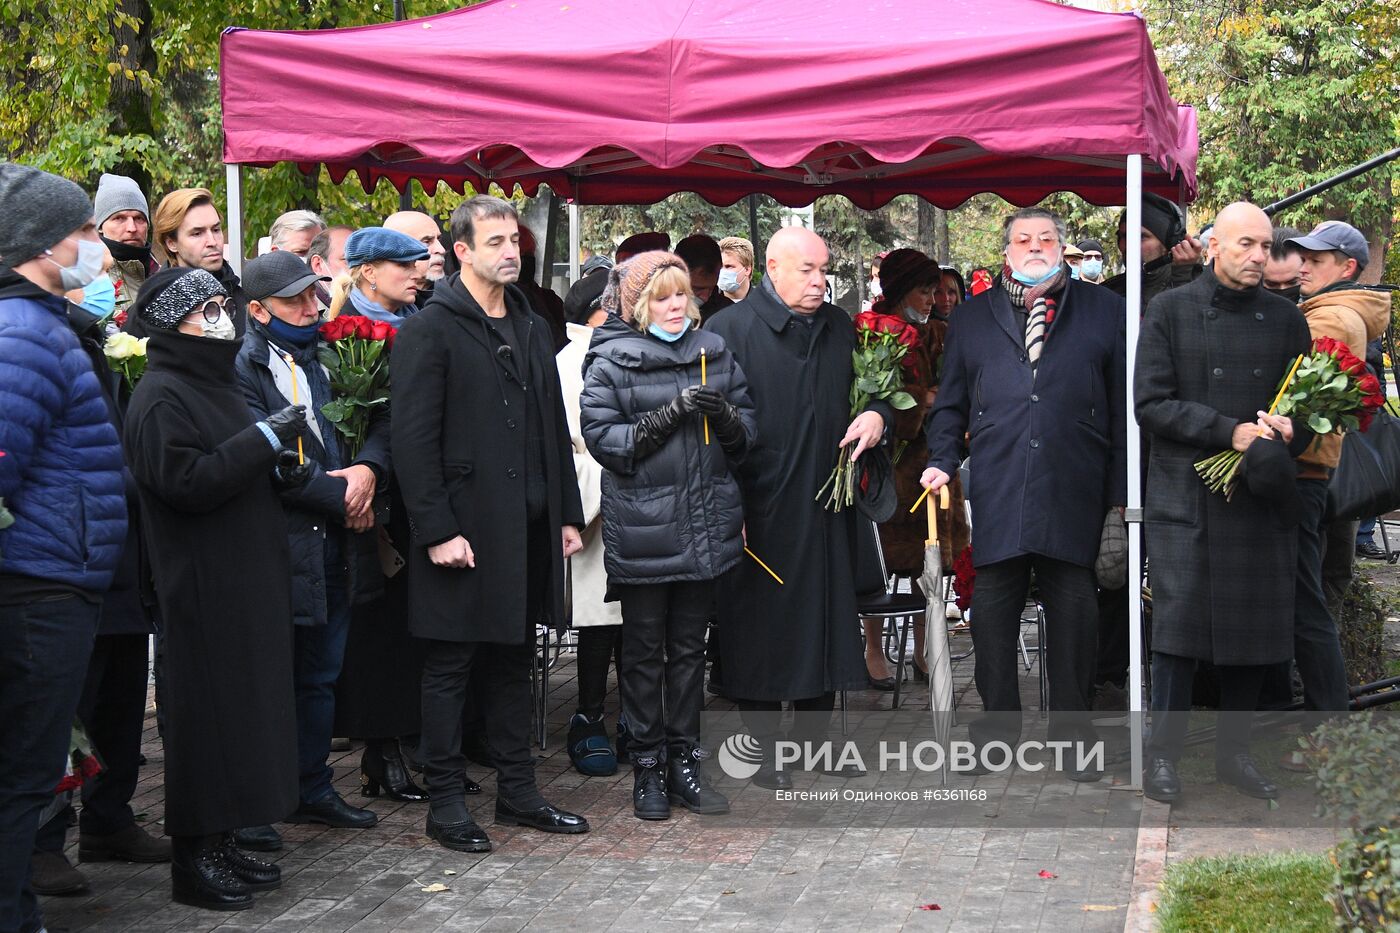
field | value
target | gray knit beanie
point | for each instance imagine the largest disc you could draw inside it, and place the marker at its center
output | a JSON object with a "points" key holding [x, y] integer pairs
{"points": [[37, 210], [118, 193]]}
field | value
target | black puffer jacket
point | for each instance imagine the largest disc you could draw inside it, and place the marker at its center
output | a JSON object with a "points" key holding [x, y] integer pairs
{"points": [[677, 513]]}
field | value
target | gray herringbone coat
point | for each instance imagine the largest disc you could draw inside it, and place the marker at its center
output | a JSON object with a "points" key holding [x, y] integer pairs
{"points": [[1222, 573]]}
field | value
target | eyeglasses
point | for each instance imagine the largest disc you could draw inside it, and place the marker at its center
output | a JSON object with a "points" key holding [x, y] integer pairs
{"points": [[1045, 239], [211, 309]]}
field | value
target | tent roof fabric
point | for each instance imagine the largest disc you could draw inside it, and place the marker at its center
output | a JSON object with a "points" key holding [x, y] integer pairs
{"points": [[627, 101]]}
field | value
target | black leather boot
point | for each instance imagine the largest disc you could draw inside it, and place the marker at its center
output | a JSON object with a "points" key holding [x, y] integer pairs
{"points": [[254, 872], [201, 877], [687, 786], [382, 770], [649, 800], [1161, 782]]}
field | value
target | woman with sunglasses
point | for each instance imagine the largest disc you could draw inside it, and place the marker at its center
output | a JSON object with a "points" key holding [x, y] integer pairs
{"points": [[207, 475]]}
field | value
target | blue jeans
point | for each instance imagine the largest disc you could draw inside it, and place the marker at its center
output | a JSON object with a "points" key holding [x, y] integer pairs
{"points": [[319, 651], [44, 649], [1365, 531]]}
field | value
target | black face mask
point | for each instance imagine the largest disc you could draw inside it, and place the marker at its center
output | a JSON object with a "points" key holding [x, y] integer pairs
{"points": [[1292, 293], [125, 251]]}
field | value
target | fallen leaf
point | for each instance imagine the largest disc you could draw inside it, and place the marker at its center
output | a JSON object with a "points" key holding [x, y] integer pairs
{"points": [[1099, 907], [726, 892], [448, 871], [1048, 874], [929, 907], [434, 888]]}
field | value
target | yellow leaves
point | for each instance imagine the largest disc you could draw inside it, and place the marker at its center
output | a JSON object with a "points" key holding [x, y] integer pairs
{"points": [[113, 68]]}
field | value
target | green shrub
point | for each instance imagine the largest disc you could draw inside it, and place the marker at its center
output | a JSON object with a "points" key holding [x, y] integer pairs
{"points": [[1361, 628]]}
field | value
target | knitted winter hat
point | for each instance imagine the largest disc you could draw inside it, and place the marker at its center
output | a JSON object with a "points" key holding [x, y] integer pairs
{"points": [[167, 297], [904, 270], [637, 275], [118, 193], [39, 210]]}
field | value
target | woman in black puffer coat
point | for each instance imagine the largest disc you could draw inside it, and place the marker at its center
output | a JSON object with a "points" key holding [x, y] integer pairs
{"points": [[672, 513]]}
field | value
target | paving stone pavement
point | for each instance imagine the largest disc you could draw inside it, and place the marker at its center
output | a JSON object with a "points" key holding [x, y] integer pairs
{"points": [[742, 872]]}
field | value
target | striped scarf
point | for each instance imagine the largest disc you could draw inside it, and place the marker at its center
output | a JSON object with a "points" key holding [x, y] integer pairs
{"points": [[1039, 302]]}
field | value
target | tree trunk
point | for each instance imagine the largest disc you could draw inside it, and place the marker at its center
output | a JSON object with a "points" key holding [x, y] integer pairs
{"points": [[927, 228], [129, 103], [942, 246]]}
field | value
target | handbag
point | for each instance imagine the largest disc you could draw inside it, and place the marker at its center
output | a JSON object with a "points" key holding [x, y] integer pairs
{"points": [[1366, 482]]}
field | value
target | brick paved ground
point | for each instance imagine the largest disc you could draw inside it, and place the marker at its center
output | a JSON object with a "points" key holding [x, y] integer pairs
{"points": [[742, 872]]}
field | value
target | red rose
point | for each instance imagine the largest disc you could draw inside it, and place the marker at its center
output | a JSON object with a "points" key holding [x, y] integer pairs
{"points": [[120, 319], [1369, 385], [334, 329], [364, 327], [1328, 345], [1363, 419], [866, 320], [381, 330]]}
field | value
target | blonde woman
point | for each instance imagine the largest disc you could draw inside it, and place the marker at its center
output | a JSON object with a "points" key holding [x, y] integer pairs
{"points": [[383, 279], [665, 410]]}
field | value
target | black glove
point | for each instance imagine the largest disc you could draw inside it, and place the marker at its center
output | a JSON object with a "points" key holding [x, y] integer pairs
{"points": [[653, 428], [708, 400], [288, 471], [724, 419], [287, 423]]}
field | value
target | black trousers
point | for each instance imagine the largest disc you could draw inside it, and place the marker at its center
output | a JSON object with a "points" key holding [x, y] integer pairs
{"points": [[1172, 679], [811, 720], [504, 674], [113, 710], [597, 646], [1112, 667], [662, 673], [1316, 648], [1068, 593]]}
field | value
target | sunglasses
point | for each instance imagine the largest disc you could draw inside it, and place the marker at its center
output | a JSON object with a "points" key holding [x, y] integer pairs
{"points": [[211, 309]]}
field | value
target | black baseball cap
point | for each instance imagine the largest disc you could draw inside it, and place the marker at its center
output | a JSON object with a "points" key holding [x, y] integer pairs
{"points": [[278, 274]]}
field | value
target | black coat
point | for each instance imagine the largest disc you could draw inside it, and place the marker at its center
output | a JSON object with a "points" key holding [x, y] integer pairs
{"points": [[1209, 358], [218, 545], [1047, 450], [802, 638], [316, 508], [129, 605], [675, 514], [459, 442]]}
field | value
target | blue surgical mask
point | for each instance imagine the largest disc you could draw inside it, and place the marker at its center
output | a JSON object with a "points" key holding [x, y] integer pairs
{"points": [[728, 280], [297, 336], [100, 297], [1030, 280], [1091, 268], [656, 331], [86, 267]]}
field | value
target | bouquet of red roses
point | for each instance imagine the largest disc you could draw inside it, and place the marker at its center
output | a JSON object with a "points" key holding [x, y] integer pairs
{"points": [[1328, 389], [882, 340], [359, 373]]}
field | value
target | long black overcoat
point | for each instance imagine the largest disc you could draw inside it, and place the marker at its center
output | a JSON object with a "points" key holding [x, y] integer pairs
{"points": [[459, 449], [1047, 448], [802, 638], [1208, 358], [218, 544]]}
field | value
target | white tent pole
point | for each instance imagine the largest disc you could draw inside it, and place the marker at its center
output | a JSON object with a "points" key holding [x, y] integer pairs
{"points": [[234, 174], [1133, 260], [574, 233]]}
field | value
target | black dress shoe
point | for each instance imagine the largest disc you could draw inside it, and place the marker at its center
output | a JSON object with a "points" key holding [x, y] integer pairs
{"points": [[770, 778], [257, 839], [382, 770], [546, 818], [465, 836], [1371, 551], [883, 684], [254, 872], [1161, 782], [1242, 772], [1086, 775], [200, 875], [52, 875], [332, 810]]}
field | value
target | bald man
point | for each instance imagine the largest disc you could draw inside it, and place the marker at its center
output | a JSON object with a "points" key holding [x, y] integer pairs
{"points": [[1210, 357], [798, 640], [426, 231]]}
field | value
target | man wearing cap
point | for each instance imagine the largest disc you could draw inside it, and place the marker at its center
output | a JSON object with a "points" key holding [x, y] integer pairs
{"points": [[1335, 305], [1169, 256], [330, 517], [1090, 261], [124, 223], [585, 295], [62, 488]]}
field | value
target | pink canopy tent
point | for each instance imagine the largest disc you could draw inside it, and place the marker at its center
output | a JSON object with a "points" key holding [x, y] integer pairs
{"points": [[627, 101]]}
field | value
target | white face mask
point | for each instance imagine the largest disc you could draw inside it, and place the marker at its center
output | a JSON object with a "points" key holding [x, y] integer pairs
{"points": [[914, 317], [728, 280], [875, 290], [85, 269], [220, 329]]}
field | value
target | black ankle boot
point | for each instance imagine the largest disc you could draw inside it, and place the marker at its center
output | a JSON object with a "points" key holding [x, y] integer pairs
{"points": [[382, 769], [201, 877], [254, 872], [687, 786], [649, 801]]}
